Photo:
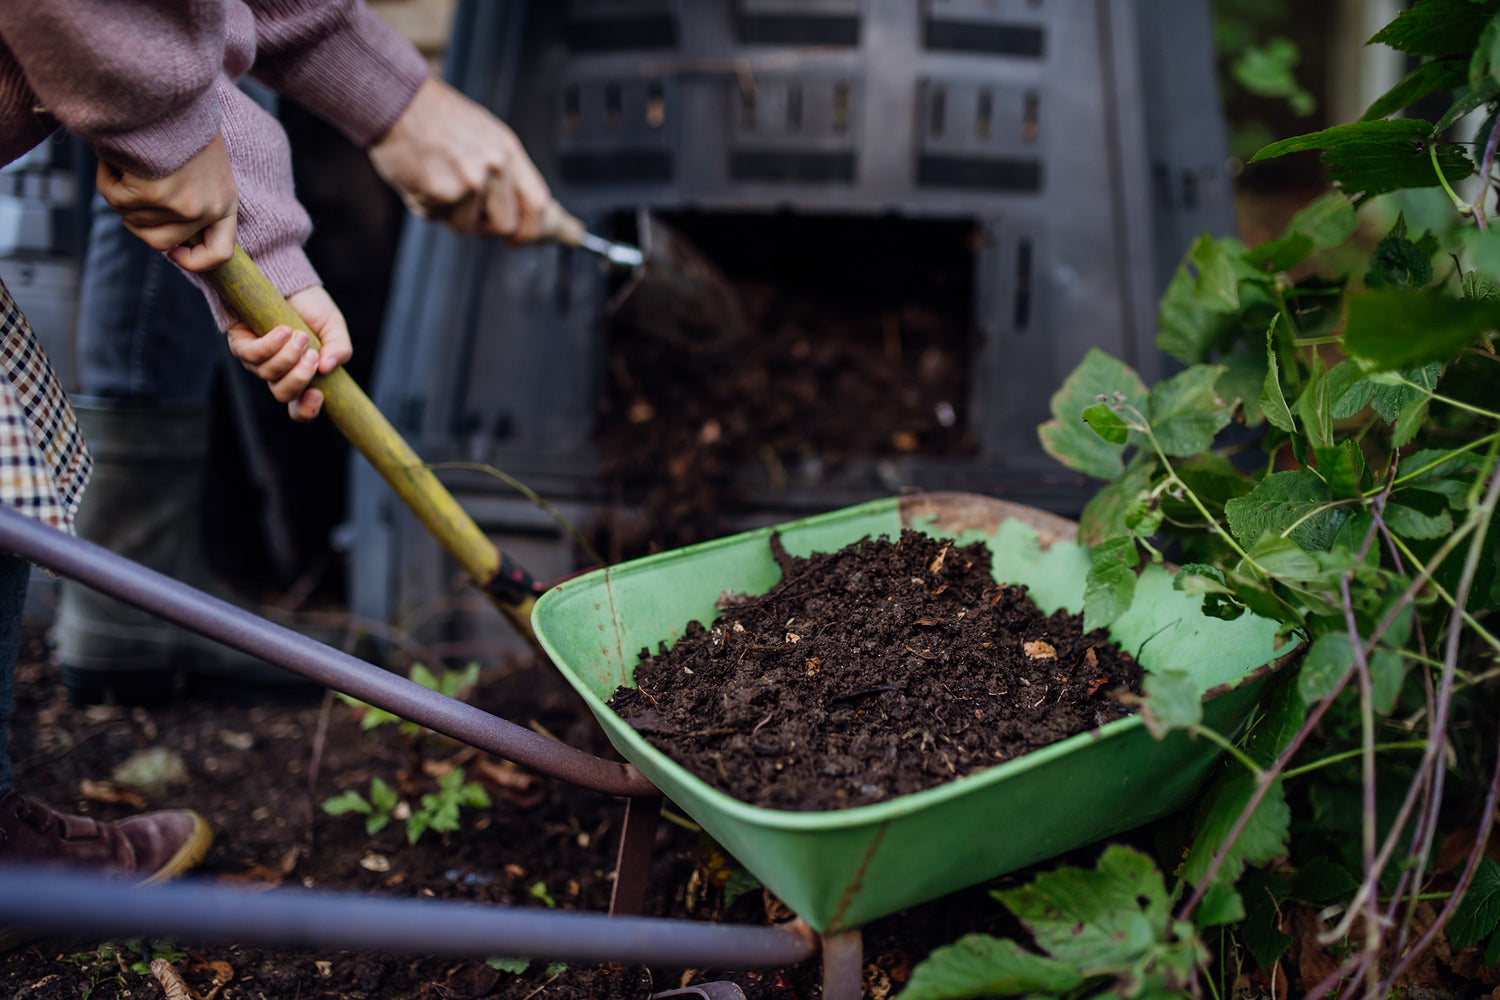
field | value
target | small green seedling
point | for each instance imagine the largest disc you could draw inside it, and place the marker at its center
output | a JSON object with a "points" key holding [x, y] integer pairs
{"points": [[539, 890], [453, 683], [437, 811], [440, 811], [377, 808]]}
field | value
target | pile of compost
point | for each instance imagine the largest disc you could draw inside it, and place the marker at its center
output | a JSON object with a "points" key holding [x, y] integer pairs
{"points": [[857, 350], [882, 669]]}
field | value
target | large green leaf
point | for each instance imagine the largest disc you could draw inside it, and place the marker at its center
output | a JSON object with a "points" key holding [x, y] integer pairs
{"points": [[1266, 70], [1186, 410], [1281, 500], [1242, 382], [1436, 27], [1387, 674], [1390, 328], [1370, 158], [977, 965], [1216, 281], [1315, 407], [1416, 513], [1272, 399], [1401, 262], [1262, 840], [1067, 438], [1438, 76], [1389, 399], [1103, 516], [1465, 99], [1478, 913], [1485, 61], [1100, 919], [1261, 928], [1174, 700], [1342, 467], [1110, 585], [1328, 659], [1192, 322]]}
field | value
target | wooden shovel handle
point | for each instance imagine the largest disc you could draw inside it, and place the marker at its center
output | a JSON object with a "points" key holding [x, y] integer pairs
{"points": [[561, 226], [247, 291]]}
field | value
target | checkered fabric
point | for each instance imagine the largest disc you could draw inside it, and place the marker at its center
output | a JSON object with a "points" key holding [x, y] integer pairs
{"points": [[44, 462]]}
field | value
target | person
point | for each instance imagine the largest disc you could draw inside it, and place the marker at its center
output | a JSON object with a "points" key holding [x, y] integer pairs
{"points": [[143, 401], [184, 153]]}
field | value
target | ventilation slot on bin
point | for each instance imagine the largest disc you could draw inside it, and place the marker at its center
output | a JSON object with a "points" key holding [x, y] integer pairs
{"points": [[620, 25], [983, 26], [798, 22]]}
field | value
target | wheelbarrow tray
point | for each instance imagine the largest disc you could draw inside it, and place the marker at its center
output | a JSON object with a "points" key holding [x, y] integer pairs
{"points": [[840, 869]]}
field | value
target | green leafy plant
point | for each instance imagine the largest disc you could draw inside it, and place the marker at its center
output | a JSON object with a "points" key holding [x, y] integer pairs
{"points": [[1111, 927], [435, 811], [109, 960], [1328, 457], [439, 811], [539, 891], [377, 808]]}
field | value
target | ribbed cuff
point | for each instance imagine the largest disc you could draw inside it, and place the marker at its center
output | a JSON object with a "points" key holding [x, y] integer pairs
{"points": [[272, 225]]}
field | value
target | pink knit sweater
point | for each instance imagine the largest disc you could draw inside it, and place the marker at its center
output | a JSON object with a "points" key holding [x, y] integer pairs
{"points": [[149, 82]]}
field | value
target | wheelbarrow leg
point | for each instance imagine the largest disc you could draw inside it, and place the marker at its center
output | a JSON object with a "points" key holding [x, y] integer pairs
{"points": [[633, 865], [843, 965]]}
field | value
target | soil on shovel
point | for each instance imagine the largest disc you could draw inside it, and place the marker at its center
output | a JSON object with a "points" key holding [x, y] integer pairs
{"points": [[882, 669]]}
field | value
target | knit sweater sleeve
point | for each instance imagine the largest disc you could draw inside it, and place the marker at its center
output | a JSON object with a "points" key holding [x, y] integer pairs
{"points": [[272, 224], [338, 59], [133, 77]]}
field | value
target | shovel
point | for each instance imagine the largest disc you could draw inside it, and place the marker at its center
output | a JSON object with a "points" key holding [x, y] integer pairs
{"points": [[673, 292], [247, 291]]}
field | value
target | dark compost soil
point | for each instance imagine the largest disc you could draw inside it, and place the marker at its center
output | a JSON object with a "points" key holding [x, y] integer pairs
{"points": [[856, 350], [871, 672]]}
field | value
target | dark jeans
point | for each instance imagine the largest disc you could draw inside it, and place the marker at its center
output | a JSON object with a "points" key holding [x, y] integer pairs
{"points": [[14, 572], [144, 332]]}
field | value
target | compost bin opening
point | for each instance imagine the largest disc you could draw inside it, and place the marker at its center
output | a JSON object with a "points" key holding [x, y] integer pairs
{"points": [[856, 359]]}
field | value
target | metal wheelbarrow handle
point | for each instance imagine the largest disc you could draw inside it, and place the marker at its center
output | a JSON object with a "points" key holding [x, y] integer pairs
{"points": [[247, 291]]}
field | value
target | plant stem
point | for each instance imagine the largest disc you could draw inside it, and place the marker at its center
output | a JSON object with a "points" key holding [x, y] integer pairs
{"points": [[1437, 588], [1225, 744], [1464, 208], [1484, 176], [1297, 772], [1476, 443], [1449, 400]]}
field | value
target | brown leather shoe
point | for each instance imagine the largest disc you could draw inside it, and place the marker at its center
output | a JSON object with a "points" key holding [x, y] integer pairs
{"points": [[148, 848]]}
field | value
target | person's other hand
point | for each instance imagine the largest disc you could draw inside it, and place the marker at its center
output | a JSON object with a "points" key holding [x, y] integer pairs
{"points": [[455, 162], [284, 357], [198, 197]]}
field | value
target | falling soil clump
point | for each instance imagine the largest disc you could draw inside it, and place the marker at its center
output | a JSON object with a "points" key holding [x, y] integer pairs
{"points": [[882, 669]]}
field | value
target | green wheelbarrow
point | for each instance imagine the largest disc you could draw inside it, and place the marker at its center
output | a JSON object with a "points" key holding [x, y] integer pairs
{"points": [[840, 869]]}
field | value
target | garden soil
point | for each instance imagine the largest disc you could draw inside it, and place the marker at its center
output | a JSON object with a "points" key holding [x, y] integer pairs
{"points": [[882, 669]]}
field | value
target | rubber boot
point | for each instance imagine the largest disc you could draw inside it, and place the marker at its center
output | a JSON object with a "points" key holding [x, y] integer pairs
{"points": [[143, 503]]}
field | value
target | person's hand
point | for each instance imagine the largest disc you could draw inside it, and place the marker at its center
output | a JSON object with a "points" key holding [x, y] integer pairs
{"points": [[284, 357], [454, 162], [198, 197]]}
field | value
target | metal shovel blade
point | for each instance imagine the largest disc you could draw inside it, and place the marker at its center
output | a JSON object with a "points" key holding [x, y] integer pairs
{"points": [[677, 294]]}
